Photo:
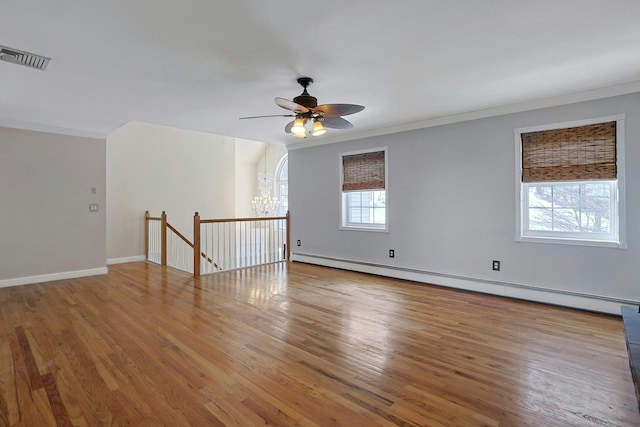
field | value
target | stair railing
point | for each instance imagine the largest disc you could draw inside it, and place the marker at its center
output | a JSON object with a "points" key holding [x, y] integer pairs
{"points": [[155, 238], [165, 245], [233, 243], [240, 242]]}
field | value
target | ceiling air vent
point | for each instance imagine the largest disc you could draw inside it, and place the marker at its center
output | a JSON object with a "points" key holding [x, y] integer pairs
{"points": [[20, 57]]}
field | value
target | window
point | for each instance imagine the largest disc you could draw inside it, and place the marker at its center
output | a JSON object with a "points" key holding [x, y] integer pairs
{"points": [[366, 207], [572, 209], [364, 194], [282, 184], [571, 183]]}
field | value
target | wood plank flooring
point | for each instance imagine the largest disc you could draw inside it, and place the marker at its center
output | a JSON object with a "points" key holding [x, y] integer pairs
{"points": [[300, 345]]}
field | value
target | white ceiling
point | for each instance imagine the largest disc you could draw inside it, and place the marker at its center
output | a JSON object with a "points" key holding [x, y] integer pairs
{"points": [[201, 64]]}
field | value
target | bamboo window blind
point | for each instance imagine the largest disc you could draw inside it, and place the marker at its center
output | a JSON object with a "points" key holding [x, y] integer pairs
{"points": [[364, 171], [570, 154]]}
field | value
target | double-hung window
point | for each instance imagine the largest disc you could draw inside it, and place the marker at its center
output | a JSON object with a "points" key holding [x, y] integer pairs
{"points": [[571, 183], [364, 190]]}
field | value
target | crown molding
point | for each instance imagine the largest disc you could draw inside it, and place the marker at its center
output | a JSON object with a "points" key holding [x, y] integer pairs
{"points": [[38, 127], [555, 101]]}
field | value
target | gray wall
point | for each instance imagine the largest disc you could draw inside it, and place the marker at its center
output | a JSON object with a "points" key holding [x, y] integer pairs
{"points": [[451, 205], [45, 192]]}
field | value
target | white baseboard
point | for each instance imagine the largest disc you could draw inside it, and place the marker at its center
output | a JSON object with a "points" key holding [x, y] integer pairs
{"points": [[18, 281], [581, 301], [124, 260]]}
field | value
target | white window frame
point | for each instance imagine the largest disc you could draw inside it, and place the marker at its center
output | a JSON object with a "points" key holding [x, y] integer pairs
{"points": [[601, 237], [344, 199], [569, 238]]}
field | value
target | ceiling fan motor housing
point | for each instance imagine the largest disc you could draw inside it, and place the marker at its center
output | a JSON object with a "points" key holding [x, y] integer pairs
{"points": [[304, 98]]}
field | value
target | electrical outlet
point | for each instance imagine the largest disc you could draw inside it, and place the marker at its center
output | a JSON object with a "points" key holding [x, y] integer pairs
{"points": [[392, 253], [496, 265], [299, 243]]}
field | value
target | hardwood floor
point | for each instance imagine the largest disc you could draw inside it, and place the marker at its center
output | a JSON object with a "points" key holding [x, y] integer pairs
{"points": [[294, 344]]}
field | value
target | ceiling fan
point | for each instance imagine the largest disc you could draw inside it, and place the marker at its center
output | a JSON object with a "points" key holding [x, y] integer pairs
{"points": [[307, 111]]}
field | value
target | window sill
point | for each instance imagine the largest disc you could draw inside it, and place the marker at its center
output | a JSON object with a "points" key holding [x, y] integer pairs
{"points": [[364, 228], [574, 242]]}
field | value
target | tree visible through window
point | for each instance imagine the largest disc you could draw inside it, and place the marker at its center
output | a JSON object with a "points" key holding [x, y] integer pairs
{"points": [[583, 207]]}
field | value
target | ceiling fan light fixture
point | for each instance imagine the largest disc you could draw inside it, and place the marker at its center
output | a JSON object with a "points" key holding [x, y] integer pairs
{"points": [[298, 126], [318, 129], [306, 111]]}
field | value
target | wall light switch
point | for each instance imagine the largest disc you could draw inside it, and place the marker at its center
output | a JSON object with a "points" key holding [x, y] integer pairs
{"points": [[93, 207]]}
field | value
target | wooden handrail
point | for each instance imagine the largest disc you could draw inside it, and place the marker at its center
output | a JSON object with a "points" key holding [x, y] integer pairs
{"points": [[210, 221], [184, 239], [210, 260], [180, 235]]}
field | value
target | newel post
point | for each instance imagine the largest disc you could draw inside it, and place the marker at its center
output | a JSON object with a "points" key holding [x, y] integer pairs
{"points": [[196, 245], [163, 231], [288, 236], [146, 235]]}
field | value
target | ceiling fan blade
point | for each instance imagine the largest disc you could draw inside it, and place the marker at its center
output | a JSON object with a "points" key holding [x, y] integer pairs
{"points": [[336, 123], [272, 115], [288, 127], [335, 110], [290, 105]]}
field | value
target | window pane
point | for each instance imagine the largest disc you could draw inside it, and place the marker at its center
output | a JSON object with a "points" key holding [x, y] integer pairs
{"points": [[379, 215], [366, 208], [284, 171], [540, 219], [595, 196], [540, 195], [366, 214], [354, 215], [585, 210], [566, 196], [596, 189], [566, 220], [595, 221], [282, 185]]}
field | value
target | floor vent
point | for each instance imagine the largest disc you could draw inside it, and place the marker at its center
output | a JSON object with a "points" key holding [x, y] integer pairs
{"points": [[20, 57]]}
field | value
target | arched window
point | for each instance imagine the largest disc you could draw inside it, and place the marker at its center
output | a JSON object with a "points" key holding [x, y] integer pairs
{"points": [[282, 184]]}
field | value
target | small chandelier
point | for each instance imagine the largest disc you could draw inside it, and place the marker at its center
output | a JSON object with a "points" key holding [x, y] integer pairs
{"points": [[264, 205]]}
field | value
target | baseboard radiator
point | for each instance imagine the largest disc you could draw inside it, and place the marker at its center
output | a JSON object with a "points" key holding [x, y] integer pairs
{"points": [[583, 301]]}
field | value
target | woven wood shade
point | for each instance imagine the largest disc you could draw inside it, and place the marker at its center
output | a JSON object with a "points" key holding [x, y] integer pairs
{"points": [[571, 154], [363, 171]]}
